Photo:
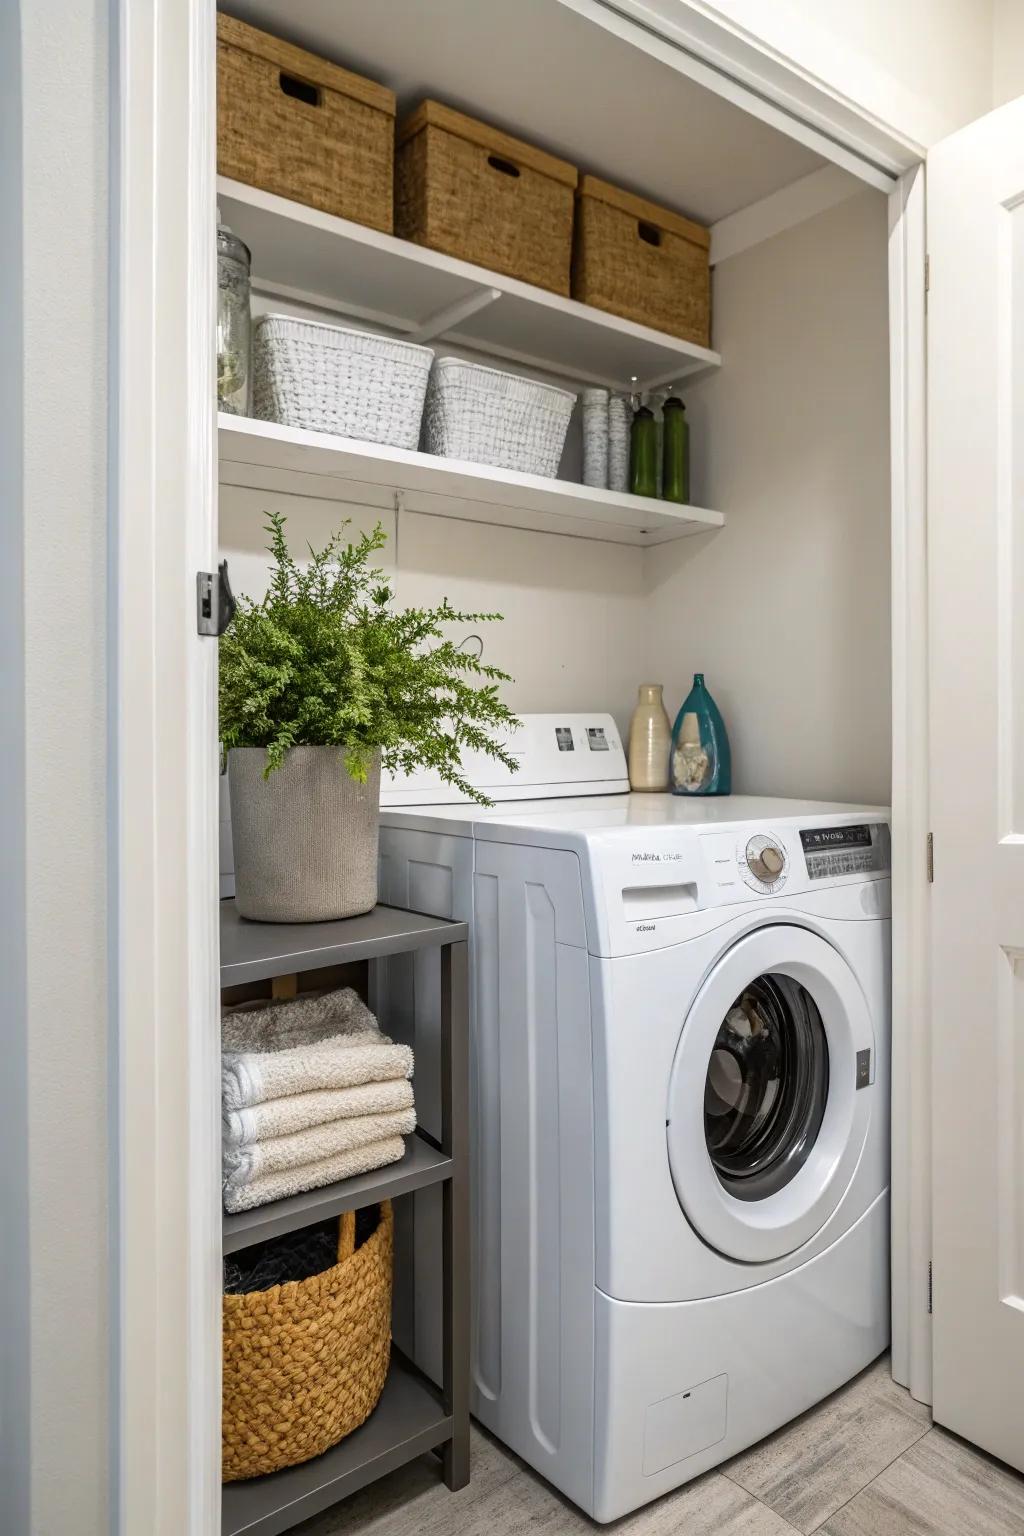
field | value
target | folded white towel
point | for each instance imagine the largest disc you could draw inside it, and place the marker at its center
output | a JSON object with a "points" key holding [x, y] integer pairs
{"points": [[292, 1181], [303, 1020], [243, 1165], [282, 1117], [341, 1062], [303, 1045]]}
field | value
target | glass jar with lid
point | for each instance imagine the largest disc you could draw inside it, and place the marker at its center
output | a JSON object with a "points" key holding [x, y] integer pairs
{"points": [[234, 324]]}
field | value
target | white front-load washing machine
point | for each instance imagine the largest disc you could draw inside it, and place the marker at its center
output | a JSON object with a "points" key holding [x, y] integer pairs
{"points": [[680, 1066]]}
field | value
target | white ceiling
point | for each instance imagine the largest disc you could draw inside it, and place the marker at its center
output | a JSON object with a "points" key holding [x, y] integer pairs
{"points": [[538, 70]]}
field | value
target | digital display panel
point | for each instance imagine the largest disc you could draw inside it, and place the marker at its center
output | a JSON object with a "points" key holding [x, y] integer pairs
{"points": [[833, 851], [563, 735], [835, 839]]}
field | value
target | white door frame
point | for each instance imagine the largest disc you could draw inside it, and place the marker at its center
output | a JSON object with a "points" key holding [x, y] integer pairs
{"points": [[911, 1044], [164, 530], [167, 1068]]}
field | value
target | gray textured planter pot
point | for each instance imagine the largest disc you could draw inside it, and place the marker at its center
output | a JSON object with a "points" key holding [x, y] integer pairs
{"points": [[305, 839]]}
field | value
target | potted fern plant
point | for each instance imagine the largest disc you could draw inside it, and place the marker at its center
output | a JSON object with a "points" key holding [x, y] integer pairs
{"points": [[322, 681]]}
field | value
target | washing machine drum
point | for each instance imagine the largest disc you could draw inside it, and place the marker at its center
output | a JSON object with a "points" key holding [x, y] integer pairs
{"points": [[768, 1113]]}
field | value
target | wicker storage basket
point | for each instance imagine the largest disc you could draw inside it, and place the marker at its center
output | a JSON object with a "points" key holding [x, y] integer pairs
{"points": [[295, 124], [632, 258], [305, 1363], [328, 378], [474, 192], [490, 417]]}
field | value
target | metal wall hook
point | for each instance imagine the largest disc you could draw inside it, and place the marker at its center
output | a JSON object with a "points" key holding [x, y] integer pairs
{"points": [[215, 601], [480, 642]]}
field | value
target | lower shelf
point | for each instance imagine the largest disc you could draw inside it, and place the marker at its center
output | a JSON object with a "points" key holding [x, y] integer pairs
{"points": [[408, 1421], [422, 1164]]}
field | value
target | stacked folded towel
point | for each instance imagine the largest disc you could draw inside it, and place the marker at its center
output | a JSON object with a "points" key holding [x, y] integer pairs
{"points": [[313, 1092]]}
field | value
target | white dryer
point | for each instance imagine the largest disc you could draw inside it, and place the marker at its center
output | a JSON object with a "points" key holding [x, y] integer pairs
{"points": [[680, 1058]]}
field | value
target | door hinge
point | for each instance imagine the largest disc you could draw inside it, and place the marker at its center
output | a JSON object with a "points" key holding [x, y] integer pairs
{"points": [[215, 601], [929, 1288], [930, 857], [927, 278]]}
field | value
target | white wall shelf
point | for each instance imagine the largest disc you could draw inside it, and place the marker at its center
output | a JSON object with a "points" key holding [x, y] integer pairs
{"points": [[311, 257], [264, 456]]}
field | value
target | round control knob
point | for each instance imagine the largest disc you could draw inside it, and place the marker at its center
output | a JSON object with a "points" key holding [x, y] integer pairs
{"points": [[771, 860], [765, 860]]}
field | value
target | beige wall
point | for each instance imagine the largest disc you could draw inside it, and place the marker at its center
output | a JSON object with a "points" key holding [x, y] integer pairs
{"points": [[923, 67], [1008, 51], [573, 632], [786, 609], [573, 635]]}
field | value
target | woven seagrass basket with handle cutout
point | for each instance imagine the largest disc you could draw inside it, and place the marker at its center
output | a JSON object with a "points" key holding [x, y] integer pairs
{"points": [[305, 1362]]}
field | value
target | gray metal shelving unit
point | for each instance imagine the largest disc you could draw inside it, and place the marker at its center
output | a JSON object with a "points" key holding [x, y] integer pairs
{"points": [[413, 1416]]}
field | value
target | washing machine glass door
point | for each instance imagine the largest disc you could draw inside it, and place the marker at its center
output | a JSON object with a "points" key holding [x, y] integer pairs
{"points": [[770, 1094]]}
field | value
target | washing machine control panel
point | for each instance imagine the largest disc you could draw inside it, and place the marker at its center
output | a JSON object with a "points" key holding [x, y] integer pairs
{"points": [[763, 862], [857, 850]]}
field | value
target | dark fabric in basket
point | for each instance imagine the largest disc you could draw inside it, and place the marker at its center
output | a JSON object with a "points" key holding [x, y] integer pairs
{"points": [[367, 1221], [294, 1256]]}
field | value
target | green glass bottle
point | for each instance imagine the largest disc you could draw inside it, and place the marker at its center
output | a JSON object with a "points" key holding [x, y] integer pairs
{"points": [[643, 454], [675, 471]]}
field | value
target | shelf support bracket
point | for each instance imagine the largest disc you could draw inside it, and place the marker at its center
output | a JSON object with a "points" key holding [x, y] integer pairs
{"points": [[451, 315], [688, 372]]}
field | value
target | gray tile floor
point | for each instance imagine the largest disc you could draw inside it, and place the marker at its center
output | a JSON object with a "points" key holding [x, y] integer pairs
{"points": [[866, 1462]]}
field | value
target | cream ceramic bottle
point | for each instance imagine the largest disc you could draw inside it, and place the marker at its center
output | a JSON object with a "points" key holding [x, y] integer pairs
{"points": [[650, 741]]}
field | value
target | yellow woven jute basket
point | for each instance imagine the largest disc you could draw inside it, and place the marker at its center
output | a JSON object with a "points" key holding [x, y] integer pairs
{"points": [[305, 1362], [639, 260], [471, 191], [297, 125]]}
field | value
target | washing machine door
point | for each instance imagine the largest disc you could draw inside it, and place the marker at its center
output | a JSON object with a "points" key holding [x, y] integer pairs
{"points": [[770, 1094]]}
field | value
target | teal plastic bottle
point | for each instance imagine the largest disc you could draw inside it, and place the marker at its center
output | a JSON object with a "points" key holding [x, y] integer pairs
{"points": [[701, 761]]}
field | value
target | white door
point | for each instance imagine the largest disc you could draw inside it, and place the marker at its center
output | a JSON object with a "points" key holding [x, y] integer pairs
{"points": [[976, 559]]}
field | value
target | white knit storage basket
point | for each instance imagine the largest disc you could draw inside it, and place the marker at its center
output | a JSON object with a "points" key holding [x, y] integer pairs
{"points": [[328, 378], [490, 417]]}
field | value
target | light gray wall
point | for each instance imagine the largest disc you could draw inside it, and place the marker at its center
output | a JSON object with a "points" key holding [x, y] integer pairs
{"points": [[14, 1227], [57, 736], [786, 608]]}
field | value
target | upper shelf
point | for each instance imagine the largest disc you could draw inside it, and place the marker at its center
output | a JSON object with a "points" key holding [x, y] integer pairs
{"points": [[256, 951], [269, 457], [311, 257]]}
